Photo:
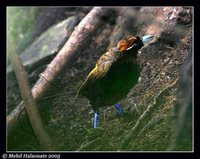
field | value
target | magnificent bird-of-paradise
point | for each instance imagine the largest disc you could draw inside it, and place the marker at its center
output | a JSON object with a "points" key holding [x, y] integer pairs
{"points": [[115, 73]]}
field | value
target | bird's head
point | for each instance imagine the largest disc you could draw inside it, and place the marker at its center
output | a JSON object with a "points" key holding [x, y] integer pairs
{"points": [[130, 41]]}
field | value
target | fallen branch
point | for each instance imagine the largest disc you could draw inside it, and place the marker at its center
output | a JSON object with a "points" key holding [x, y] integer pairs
{"points": [[30, 105], [66, 56]]}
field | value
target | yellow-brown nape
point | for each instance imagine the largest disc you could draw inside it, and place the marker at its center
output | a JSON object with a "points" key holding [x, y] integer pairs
{"points": [[126, 43]]}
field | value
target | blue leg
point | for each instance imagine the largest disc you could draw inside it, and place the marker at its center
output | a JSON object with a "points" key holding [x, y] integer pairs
{"points": [[95, 119], [120, 111]]}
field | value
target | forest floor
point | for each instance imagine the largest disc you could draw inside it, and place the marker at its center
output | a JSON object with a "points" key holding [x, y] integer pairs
{"points": [[148, 123]]}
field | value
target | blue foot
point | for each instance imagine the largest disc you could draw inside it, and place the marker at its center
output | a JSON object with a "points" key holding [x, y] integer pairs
{"points": [[95, 119], [120, 111]]}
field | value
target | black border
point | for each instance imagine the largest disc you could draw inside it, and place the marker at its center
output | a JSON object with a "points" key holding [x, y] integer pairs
{"points": [[2, 82], [103, 3], [100, 3]]}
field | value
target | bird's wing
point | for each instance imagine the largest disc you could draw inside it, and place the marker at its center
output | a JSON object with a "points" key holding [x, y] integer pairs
{"points": [[102, 66]]}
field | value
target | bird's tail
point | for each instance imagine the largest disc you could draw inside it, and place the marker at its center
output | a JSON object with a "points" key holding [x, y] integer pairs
{"points": [[81, 90]]}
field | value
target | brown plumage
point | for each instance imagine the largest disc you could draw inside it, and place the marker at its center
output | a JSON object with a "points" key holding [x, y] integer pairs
{"points": [[115, 73], [126, 43]]}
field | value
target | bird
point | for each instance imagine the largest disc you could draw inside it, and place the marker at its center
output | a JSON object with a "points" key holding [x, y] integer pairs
{"points": [[115, 73]]}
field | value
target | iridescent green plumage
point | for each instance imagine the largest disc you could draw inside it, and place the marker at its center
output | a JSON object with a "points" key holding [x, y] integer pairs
{"points": [[115, 73]]}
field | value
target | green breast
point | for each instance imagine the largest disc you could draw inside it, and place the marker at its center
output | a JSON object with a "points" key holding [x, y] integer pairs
{"points": [[115, 85]]}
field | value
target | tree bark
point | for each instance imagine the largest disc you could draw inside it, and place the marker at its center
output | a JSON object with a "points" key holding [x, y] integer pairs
{"points": [[66, 56], [29, 103]]}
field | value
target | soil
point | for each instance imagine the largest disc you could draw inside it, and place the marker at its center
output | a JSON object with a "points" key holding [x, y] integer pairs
{"points": [[149, 122]]}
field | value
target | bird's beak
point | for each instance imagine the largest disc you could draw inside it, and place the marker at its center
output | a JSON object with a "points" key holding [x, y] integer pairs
{"points": [[146, 38]]}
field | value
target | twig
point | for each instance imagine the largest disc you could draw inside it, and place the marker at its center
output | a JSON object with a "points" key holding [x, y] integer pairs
{"points": [[66, 56], [88, 144], [134, 131]]}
